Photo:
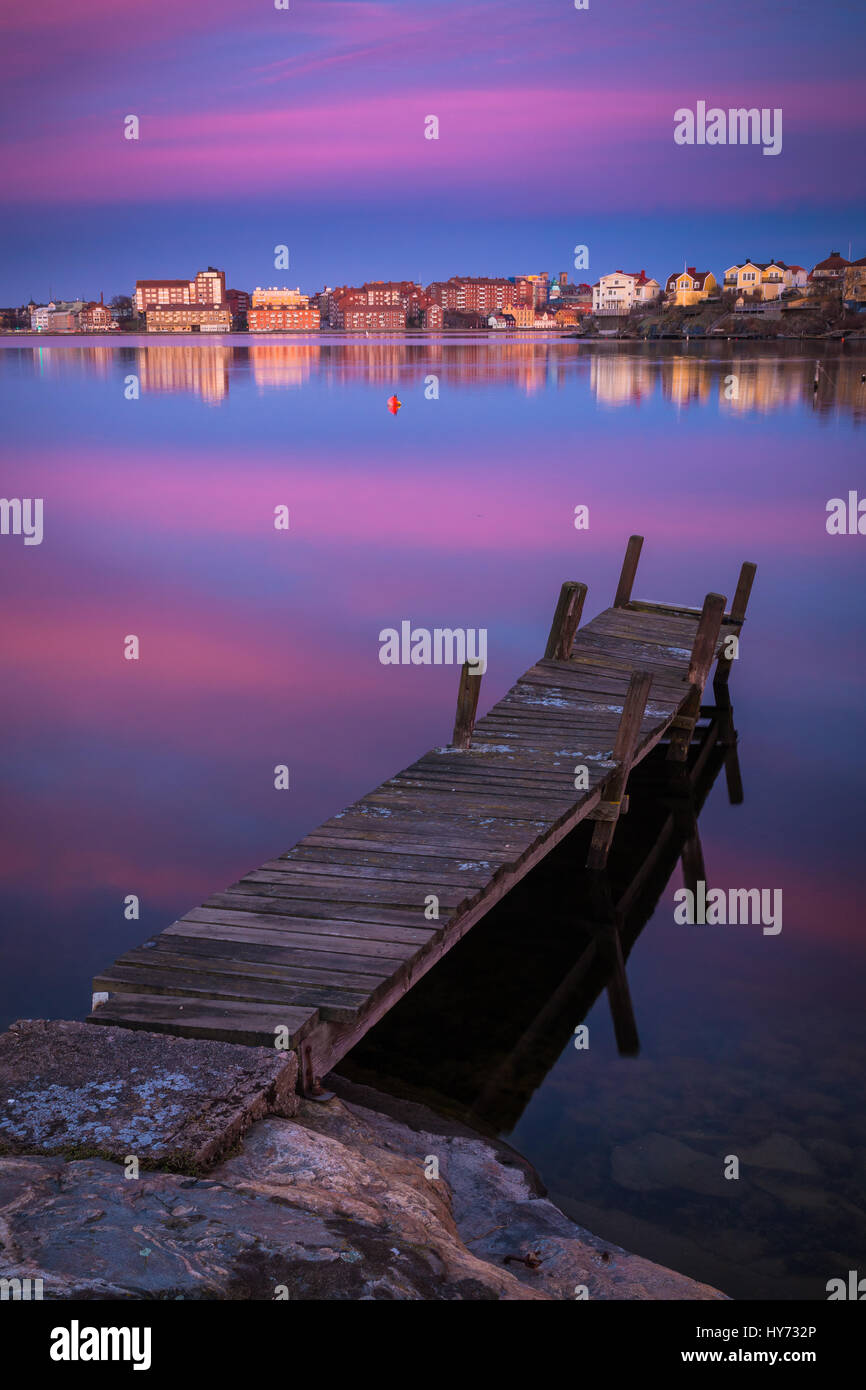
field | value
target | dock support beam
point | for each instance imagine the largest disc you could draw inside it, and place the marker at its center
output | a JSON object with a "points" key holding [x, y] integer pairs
{"points": [[467, 705], [703, 652], [628, 572], [627, 735], [608, 924], [565, 621]]}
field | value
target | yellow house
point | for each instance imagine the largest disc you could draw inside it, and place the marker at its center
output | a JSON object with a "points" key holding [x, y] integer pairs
{"points": [[765, 279], [690, 286], [523, 315]]}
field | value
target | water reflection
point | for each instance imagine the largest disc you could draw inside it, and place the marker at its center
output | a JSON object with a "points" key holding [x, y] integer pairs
{"points": [[478, 1035], [739, 376]]}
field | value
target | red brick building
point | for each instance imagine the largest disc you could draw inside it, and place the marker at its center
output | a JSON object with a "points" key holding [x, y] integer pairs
{"points": [[472, 294], [208, 287], [367, 318], [239, 303], [96, 318], [283, 318], [148, 292], [532, 289], [350, 301]]}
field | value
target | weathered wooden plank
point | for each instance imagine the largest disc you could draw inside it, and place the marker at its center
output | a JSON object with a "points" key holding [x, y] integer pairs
{"points": [[372, 919], [353, 891], [462, 801], [364, 862], [403, 847], [189, 1017], [311, 967], [274, 914], [341, 1005], [380, 952]]}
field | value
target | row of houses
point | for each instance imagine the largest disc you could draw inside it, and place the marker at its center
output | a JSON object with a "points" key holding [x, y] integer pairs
{"points": [[72, 316], [204, 304], [747, 283]]}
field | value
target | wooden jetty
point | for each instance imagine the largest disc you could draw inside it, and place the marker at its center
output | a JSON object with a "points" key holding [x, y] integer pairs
{"points": [[479, 1034], [311, 949]]}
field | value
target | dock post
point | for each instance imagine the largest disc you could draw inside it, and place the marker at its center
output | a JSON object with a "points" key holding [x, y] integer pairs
{"points": [[467, 705], [566, 620], [607, 812], [737, 615], [608, 945], [703, 652], [628, 572]]}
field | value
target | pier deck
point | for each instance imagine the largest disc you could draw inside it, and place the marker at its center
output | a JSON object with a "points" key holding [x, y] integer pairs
{"points": [[315, 946]]}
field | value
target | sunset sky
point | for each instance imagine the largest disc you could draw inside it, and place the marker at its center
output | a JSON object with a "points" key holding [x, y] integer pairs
{"points": [[306, 127]]}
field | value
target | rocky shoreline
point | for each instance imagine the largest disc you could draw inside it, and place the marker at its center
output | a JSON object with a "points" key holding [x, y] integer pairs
{"points": [[139, 1166]]}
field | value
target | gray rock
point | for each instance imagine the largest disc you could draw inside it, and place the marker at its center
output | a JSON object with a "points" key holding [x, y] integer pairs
{"points": [[89, 1233], [342, 1203], [75, 1089]]}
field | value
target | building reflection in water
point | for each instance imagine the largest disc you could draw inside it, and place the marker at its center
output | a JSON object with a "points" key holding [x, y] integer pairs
{"points": [[740, 377], [199, 368]]}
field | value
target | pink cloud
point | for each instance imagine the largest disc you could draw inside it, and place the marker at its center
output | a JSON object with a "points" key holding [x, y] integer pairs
{"points": [[484, 135]]}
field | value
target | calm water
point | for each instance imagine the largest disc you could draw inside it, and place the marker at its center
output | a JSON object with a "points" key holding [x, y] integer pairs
{"points": [[260, 647]]}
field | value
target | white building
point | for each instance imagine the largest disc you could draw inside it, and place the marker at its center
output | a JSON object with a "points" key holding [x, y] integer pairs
{"points": [[622, 291]]}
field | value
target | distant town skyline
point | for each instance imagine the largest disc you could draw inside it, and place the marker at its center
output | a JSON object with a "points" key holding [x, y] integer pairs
{"points": [[307, 127]]}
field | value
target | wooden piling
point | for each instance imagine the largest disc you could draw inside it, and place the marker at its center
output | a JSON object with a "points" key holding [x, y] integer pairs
{"points": [[744, 589], [623, 754], [737, 615], [467, 705], [628, 571], [703, 652], [607, 925], [566, 620]]}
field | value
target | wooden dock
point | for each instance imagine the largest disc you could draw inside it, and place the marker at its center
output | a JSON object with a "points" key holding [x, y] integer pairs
{"points": [[446, 1045], [311, 949]]}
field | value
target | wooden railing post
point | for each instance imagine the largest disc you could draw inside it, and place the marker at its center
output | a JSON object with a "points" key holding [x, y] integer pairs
{"points": [[607, 813], [566, 620], [628, 572], [744, 588], [467, 704], [737, 615], [703, 652]]}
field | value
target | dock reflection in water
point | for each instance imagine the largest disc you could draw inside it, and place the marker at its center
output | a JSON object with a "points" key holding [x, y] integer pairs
{"points": [[477, 1035]]}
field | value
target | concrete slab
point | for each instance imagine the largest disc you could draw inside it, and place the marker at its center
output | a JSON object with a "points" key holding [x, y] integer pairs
{"points": [[72, 1089]]}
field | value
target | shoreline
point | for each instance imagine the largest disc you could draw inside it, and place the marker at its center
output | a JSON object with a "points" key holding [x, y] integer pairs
{"points": [[245, 1189], [334, 336]]}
